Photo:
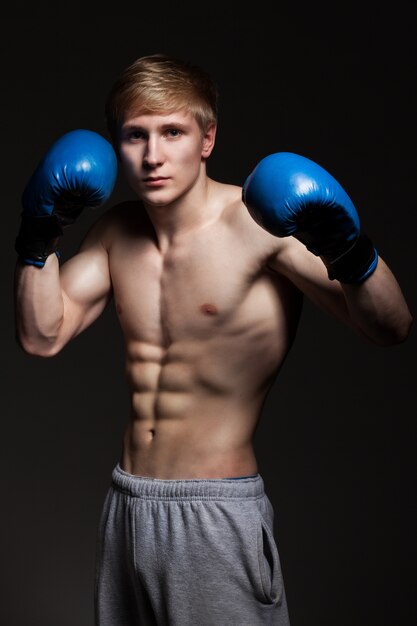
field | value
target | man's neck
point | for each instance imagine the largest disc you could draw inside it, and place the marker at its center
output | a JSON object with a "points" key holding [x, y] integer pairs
{"points": [[190, 212]]}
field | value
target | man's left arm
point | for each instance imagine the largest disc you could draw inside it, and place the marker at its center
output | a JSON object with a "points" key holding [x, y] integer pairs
{"points": [[375, 308], [327, 257]]}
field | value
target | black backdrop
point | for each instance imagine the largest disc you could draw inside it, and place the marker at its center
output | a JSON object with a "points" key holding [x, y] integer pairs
{"points": [[337, 440]]}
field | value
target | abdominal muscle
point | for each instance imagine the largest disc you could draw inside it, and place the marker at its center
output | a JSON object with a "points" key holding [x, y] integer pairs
{"points": [[192, 414]]}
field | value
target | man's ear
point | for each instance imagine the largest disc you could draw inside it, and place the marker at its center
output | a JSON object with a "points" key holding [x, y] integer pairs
{"points": [[209, 139]]}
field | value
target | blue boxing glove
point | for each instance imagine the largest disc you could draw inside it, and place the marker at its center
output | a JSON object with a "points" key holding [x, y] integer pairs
{"points": [[78, 171], [288, 194]]}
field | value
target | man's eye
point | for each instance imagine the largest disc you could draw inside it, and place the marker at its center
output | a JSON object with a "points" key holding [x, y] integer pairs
{"points": [[135, 134], [173, 132]]}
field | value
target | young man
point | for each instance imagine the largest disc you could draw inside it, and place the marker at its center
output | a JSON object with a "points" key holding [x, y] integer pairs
{"points": [[207, 280]]}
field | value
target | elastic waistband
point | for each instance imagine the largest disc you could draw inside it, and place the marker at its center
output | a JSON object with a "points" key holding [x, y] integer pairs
{"points": [[187, 488]]}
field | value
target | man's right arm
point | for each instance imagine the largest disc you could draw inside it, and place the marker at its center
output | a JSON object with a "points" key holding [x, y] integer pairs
{"points": [[55, 304]]}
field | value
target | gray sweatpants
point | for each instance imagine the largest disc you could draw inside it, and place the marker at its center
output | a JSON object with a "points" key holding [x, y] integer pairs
{"points": [[194, 552]]}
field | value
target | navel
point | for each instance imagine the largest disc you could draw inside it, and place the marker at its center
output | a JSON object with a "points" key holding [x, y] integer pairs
{"points": [[208, 309]]}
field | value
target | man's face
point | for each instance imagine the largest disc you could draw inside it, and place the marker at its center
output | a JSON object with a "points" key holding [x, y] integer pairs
{"points": [[161, 154]]}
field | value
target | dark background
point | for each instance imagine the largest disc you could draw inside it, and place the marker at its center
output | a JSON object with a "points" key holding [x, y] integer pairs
{"points": [[336, 444]]}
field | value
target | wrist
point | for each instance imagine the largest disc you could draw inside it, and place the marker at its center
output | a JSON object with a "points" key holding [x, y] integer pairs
{"points": [[355, 264], [38, 237]]}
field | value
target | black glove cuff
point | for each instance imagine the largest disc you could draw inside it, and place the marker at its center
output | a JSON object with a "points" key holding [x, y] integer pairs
{"points": [[354, 265], [38, 237]]}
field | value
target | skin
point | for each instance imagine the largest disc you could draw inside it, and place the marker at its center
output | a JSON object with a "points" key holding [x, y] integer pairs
{"points": [[207, 300]]}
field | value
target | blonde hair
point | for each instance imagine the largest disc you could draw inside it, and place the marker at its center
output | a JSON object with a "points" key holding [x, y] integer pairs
{"points": [[161, 84]]}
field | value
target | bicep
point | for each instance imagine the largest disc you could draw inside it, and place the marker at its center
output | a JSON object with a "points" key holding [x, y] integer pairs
{"points": [[85, 284]]}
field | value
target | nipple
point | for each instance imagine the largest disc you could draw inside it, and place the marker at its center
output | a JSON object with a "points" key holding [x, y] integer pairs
{"points": [[208, 309]]}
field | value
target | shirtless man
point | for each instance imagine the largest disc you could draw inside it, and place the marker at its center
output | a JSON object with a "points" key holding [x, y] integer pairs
{"points": [[207, 283]]}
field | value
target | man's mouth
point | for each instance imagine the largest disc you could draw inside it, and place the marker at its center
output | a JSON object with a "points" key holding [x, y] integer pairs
{"points": [[155, 179]]}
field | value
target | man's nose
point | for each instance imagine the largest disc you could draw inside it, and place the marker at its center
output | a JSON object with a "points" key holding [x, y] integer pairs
{"points": [[153, 155]]}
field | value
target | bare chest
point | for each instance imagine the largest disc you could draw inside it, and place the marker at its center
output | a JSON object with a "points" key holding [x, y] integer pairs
{"points": [[212, 282]]}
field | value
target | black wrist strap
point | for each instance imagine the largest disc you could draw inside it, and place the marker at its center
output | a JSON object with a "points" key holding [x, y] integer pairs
{"points": [[354, 265], [38, 237]]}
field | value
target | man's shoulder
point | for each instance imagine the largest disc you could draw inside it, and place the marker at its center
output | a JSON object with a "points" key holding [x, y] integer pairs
{"points": [[229, 198], [238, 219], [235, 211]]}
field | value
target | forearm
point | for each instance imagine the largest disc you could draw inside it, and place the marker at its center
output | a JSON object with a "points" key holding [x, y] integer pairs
{"points": [[39, 306], [377, 307]]}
